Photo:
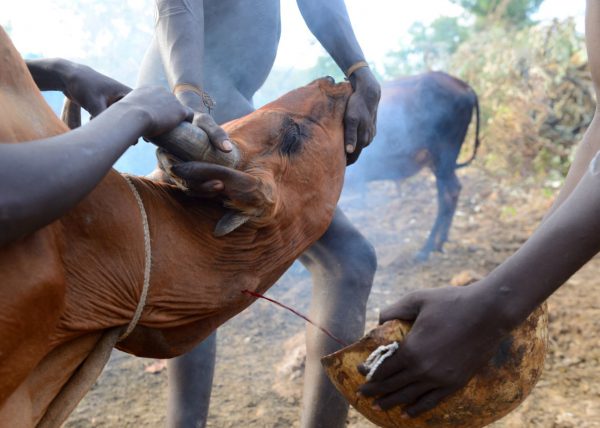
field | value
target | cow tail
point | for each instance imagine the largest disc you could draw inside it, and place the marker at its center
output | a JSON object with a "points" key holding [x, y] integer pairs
{"points": [[463, 164]]}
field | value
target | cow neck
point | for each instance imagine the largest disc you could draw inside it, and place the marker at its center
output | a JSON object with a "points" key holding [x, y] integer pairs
{"points": [[147, 261], [182, 226]]}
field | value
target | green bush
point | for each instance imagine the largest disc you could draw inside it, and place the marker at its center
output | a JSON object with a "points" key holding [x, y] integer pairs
{"points": [[535, 93]]}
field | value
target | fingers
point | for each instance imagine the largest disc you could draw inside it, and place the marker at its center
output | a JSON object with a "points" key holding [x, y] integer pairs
{"points": [[394, 380], [212, 186], [351, 123], [199, 171], [189, 114], [351, 158], [191, 178], [407, 395], [362, 141], [407, 309], [217, 136], [427, 402], [358, 134], [236, 185]]}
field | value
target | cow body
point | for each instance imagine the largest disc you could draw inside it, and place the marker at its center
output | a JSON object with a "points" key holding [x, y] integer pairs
{"points": [[422, 122], [68, 283]]}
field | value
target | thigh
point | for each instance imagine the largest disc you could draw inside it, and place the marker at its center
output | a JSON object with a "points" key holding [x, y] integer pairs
{"points": [[152, 71], [341, 243]]}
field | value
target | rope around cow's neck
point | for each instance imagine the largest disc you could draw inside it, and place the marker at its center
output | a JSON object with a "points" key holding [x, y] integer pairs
{"points": [[86, 374], [147, 261]]}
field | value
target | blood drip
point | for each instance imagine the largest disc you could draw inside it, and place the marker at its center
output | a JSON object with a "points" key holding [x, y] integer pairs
{"points": [[304, 317]]}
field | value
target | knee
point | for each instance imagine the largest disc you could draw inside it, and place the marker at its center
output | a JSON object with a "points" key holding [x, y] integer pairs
{"points": [[349, 257], [359, 257]]}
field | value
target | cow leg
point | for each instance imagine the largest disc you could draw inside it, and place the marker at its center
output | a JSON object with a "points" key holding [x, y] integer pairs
{"points": [[448, 188], [342, 264]]}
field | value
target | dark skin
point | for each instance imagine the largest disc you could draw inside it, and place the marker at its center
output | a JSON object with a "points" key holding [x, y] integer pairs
{"points": [[457, 329], [65, 168], [227, 48]]}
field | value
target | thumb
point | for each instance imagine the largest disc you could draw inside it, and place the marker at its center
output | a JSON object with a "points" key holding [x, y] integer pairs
{"points": [[406, 309]]}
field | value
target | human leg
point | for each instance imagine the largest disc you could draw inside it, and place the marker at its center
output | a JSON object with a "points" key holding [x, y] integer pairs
{"points": [[190, 383], [342, 264]]}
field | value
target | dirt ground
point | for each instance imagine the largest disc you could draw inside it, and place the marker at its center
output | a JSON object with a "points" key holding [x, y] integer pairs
{"points": [[258, 379]]}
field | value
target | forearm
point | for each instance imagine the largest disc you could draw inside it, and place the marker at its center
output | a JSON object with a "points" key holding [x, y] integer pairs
{"points": [[180, 35], [329, 22], [561, 246], [40, 180]]}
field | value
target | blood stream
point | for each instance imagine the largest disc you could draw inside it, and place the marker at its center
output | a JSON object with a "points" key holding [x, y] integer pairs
{"points": [[304, 317]]}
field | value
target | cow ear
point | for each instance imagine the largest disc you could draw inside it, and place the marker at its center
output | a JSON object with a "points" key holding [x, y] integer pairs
{"points": [[246, 196], [230, 222]]}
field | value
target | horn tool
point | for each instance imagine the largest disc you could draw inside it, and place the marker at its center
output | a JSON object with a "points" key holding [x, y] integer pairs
{"points": [[304, 317]]}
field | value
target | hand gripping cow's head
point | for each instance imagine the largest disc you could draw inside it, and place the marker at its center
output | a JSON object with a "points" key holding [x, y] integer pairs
{"points": [[292, 160]]}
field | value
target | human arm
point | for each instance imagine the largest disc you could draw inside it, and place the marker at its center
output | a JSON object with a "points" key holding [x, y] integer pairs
{"points": [[457, 329], [330, 23], [40, 180], [180, 36], [93, 91]]}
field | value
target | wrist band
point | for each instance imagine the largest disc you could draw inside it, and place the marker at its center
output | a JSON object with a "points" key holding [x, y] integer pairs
{"points": [[182, 87], [354, 67], [207, 100]]}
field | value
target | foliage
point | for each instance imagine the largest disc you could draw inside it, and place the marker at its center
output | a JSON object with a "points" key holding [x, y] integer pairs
{"points": [[535, 93], [281, 81], [513, 12], [429, 47]]}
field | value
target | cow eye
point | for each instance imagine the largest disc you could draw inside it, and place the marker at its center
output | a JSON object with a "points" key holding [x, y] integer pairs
{"points": [[293, 137]]}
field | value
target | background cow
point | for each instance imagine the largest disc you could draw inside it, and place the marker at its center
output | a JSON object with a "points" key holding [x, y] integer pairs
{"points": [[422, 121]]}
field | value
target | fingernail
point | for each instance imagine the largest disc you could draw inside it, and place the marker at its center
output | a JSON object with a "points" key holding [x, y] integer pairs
{"points": [[376, 407], [359, 394], [349, 148], [227, 145], [404, 415]]}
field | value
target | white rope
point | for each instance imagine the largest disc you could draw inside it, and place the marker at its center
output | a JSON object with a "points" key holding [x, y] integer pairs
{"points": [[378, 356], [147, 261]]}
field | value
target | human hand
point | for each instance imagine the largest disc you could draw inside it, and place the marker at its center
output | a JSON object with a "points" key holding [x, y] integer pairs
{"points": [[456, 330], [160, 109], [168, 165], [93, 91], [361, 113], [202, 119]]}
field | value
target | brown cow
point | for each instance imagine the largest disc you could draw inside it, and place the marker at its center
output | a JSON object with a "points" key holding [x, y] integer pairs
{"points": [[65, 285]]}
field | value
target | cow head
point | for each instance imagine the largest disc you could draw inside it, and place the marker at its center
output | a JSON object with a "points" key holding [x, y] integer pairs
{"points": [[292, 160]]}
